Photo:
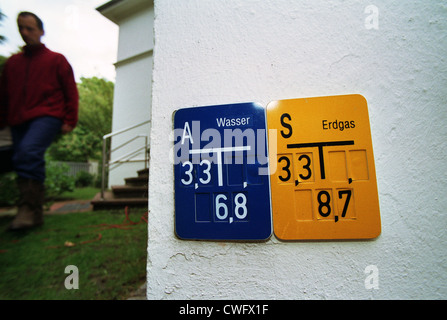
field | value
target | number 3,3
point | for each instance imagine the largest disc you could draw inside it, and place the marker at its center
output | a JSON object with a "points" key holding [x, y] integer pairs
{"points": [[189, 172], [305, 163]]}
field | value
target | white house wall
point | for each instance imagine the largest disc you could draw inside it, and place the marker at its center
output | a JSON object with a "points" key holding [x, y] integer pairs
{"points": [[134, 36], [132, 99], [217, 52], [132, 106]]}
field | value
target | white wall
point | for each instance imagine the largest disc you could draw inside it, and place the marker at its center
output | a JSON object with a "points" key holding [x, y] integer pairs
{"points": [[216, 52], [132, 98], [134, 36], [131, 106]]}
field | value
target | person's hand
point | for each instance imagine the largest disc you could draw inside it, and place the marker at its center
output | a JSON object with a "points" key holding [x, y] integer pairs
{"points": [[66, 128]]}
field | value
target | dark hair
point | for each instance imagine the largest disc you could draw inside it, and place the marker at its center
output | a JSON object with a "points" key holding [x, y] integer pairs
{"points": [[27, 14]]}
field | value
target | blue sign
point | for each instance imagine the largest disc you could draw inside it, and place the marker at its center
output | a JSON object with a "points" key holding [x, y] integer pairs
{"points": [[222, 188]]}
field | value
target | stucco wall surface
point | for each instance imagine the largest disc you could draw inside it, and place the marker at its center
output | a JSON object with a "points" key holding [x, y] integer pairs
{"points": [[217, 52]]}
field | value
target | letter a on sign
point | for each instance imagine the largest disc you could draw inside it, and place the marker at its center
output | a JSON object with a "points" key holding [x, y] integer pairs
{"points": [[185, 134]]}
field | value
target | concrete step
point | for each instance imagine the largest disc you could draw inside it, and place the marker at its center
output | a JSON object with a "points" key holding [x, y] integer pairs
{"points": [[133, 194], [111, 202], [129, 191], [137, 181], [143, 173]]}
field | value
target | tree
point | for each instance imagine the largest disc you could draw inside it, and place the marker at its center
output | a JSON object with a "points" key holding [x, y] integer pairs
{"points": [[96, 105], [95, 120]]}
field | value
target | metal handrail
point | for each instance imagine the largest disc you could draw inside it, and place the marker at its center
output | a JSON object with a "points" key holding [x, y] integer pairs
{"points": [[128, 156], [119, 160], [126, 143]]}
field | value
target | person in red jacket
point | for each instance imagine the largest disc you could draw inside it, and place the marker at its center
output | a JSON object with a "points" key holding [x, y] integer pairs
{"points": [[38, 100]]}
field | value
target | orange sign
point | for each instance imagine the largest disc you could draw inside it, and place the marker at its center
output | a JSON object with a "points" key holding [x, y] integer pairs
{"points": [[323, 180]]}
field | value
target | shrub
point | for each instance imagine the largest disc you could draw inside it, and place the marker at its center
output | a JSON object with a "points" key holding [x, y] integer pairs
{"points": [[84, 179], [57, 180], [9, 193]]}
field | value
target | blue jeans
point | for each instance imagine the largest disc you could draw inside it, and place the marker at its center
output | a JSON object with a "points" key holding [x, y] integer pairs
{"points": [[30, 141]]}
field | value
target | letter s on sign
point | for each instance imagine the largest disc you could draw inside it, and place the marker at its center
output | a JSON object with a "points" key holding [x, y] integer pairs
{"points": [[286, 125]]}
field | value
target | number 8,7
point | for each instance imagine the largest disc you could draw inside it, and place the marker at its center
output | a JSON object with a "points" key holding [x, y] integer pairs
{"points": [[324, 202]]}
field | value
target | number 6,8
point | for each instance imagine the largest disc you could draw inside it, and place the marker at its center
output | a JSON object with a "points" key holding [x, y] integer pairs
{"points": [[240, 206]]}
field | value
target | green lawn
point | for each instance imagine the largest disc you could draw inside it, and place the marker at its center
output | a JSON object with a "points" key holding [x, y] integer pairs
{"points": [[110, 256], [86, 193]]}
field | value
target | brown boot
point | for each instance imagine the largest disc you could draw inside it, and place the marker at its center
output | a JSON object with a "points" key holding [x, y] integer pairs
{"points": [[39, 190], [30, 206]]}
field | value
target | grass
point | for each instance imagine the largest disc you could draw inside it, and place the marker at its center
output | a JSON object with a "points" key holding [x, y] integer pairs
{"points": [[86, 193], [109, 252]]}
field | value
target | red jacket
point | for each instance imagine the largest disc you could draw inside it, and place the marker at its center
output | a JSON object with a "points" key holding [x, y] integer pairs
{"points": [[38, 82]]}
